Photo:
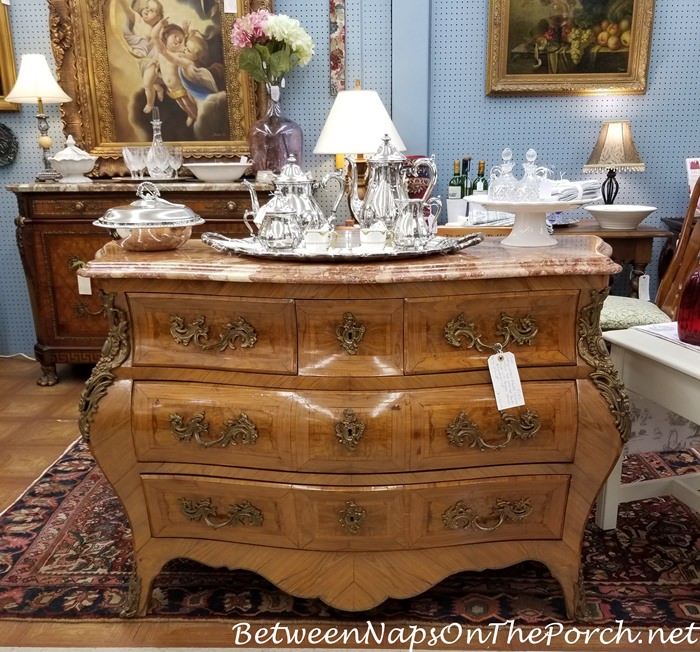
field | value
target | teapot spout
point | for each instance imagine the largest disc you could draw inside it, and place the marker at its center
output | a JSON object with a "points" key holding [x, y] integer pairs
{"points": [[253, 196]]}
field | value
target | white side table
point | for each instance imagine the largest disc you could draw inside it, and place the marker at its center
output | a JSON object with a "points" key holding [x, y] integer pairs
{"points": [[667, 373]]}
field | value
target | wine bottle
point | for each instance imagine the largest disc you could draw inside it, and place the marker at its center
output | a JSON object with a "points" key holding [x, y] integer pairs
{"points": [[454, 187], [466, 179], [480, 185]]}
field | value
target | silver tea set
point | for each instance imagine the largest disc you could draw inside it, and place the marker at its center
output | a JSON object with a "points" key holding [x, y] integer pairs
{"points": [[385, 216]]}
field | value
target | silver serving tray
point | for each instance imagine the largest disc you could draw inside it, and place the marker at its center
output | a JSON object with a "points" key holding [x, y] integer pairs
{"points": [[251, 247]]}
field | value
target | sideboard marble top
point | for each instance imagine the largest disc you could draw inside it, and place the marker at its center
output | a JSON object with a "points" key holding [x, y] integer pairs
{"points": [[573, 255], [126, 184]]}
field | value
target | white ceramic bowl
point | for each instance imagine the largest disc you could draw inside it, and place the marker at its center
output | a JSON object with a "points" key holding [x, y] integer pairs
{"points": [[619, 216], [218, 171]]}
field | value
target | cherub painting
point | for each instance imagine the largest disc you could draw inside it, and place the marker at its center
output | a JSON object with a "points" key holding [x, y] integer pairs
{"points": [[167, 54]]}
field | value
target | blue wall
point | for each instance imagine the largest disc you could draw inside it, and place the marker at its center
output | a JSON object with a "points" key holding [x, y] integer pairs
{"points": [[461, 119]]}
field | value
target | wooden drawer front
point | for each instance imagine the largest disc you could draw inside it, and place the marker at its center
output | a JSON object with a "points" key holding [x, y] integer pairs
{"points": [[87, 205], [214, 332], [376, 327], [362, 518], [515, 508], [74, 315], [222, 205], [462, 427], [342, 432], [483, 320], [212, 424], [221, 509]]}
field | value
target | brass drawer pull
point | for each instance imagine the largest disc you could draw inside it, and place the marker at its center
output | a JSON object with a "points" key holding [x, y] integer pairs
{"points": [[349, 431], [460, 516], [198, 332], [243, 513], [462, 430], [79, 207], [521, 331], [231, 206], [74, 263], [350, 333], [352, 517], [234, 431]]}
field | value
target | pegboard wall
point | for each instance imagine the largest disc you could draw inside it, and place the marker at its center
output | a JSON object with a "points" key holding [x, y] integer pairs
{"points": [[462, 120]]}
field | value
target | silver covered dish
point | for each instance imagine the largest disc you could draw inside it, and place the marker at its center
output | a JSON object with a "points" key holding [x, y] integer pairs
{"points": [[150, 223]]}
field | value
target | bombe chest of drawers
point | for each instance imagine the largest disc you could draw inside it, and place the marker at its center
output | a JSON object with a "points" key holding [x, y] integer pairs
{"points": [[334, 427]]}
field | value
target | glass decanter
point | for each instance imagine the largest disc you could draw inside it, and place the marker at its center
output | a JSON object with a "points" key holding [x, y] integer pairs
{"points": [[502, 182], [158, 161]]}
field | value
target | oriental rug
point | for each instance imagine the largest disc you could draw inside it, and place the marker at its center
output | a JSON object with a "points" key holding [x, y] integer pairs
{"points": [[66, 553]]}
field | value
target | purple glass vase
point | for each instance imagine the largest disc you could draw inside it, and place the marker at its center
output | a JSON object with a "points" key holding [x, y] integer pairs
{"points": [[689, 310], [274, 138]]}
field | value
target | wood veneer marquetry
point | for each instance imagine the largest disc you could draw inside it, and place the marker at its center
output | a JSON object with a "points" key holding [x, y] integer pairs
{"points": [[352, 497]]}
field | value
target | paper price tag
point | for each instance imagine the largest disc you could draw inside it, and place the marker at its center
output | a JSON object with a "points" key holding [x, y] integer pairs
{"points": [[505, 380], [643, 290], [84, 286]]}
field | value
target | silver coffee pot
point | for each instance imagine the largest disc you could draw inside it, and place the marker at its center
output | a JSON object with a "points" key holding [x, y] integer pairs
{"points": [[387, 170]]}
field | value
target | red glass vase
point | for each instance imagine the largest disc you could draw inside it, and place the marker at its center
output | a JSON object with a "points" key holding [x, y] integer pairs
{"points": [[689, 310], [274, 138]]}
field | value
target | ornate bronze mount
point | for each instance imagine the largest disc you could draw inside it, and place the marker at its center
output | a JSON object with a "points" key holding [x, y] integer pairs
{"points": [[521, 331], [460, 516], [462, 430], [350, 333], [352, 517], [592, 348], [349, 431], [234, 431], [239, 514], [198, 332], [115, 351]]}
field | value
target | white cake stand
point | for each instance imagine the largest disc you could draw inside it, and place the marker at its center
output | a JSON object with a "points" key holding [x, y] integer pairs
{"points": [[530, 225]]}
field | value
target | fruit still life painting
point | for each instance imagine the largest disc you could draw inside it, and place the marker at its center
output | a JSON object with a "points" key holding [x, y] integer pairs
{"points": [[570, 36]]}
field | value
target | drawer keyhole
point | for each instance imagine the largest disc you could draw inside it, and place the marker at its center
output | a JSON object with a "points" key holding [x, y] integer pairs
{"points": [[350, 333]]}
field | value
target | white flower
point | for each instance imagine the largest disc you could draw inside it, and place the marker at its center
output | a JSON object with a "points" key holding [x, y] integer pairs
{"points": [[288, 30]]}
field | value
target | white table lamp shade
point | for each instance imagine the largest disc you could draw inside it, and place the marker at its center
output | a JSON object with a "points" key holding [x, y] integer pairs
{"points": [[35, 82], [356, 124]]}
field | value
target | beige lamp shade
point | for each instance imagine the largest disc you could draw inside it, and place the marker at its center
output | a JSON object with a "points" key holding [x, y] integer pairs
{"points": [[36, 83], [615, 149], [356, 124]]}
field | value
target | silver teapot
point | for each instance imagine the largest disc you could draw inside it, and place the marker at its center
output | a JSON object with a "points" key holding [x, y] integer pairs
{"points": [[387, 169], [278, 227], [298, 188]]}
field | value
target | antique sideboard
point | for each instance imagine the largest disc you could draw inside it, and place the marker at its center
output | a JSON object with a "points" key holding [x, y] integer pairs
{"points": [[55, 236], [334, 428]]}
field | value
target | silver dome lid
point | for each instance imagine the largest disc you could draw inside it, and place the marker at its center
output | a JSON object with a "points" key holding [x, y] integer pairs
{"points": [[149, 211]]}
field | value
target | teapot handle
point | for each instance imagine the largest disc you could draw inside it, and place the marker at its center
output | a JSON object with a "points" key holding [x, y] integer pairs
{"points": [[246, 216], [428, 163], [340, 178], [432, 217]]}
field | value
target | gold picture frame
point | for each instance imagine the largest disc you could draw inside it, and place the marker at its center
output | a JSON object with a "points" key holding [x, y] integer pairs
{"points": [[8, 74], [102, 64], [528, 53]]}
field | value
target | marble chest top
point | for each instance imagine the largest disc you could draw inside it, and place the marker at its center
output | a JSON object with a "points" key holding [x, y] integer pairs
{"points": [[572, 256]]}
